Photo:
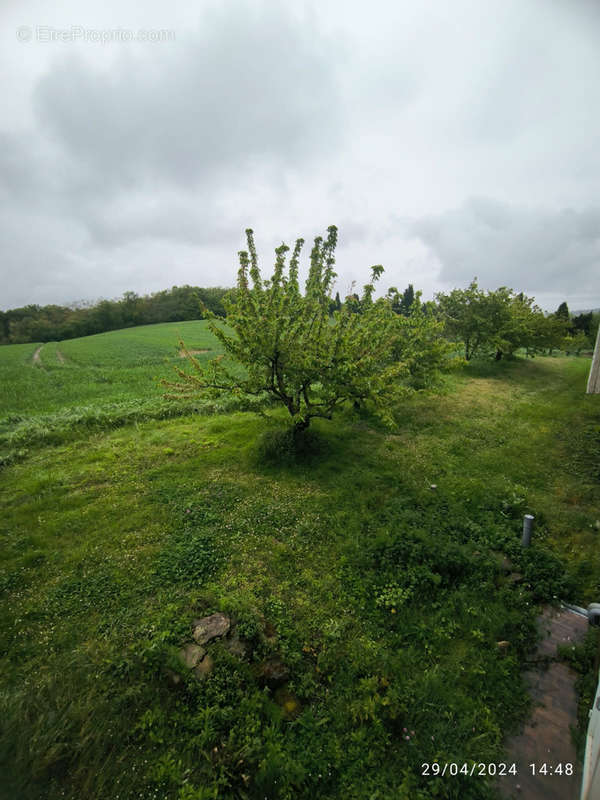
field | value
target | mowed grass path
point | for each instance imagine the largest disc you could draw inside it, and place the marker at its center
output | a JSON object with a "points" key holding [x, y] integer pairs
{"points": [[384, 597]]}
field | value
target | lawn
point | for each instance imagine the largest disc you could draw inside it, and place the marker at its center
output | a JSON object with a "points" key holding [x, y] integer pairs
{"points": [[379, 599]]}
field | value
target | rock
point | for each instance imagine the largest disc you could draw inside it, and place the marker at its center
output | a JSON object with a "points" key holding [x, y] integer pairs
{"points": [[204, 668], [273, 673], [209, 628], [236, 646], [191, 655]]}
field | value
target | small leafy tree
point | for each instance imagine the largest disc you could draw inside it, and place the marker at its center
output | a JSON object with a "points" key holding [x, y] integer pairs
{"points": [[419, 342], [551, 333], [498, 322], [291, 348], [574, 342], [513, 319], [465, 316]]}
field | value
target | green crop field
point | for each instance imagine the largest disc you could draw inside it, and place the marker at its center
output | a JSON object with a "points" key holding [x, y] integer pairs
{"points": [[48, 391], [376, 600], [108, 367]]}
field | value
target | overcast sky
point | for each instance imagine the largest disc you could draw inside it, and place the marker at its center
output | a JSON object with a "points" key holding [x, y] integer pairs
{"points": [[446, 141]]}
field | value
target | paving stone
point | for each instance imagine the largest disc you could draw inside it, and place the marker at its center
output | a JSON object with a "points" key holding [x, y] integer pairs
{"points": [[546, 737]]}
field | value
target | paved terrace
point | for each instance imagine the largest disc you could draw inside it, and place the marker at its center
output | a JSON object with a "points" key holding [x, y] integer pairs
{"points": [[546, 738]]}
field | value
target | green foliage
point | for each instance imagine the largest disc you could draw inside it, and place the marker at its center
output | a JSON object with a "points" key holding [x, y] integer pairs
{"points": [[193, 550], [584, 659], [336, 304], [189, 559], [547, 333], [290, 348], [499, 321], [420, 346], [471, 316], [588, 324], [393, 596], [575, 343], [403, 303], [412, 564], [545, 575]]}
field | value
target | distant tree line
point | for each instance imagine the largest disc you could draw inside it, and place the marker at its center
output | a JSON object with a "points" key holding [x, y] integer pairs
{"points": [[494, 323], [34, 323]]}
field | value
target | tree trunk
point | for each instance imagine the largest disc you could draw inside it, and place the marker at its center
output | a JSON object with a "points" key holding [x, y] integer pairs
{"points": [[301, 426]]}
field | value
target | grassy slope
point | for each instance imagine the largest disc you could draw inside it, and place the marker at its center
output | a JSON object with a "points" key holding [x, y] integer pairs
{"points": [[108, 367], [95, 383], [385, 595]]}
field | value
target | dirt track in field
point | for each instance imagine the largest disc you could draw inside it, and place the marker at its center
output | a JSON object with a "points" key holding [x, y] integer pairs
{"points": [[184, 353], [36, 360]]}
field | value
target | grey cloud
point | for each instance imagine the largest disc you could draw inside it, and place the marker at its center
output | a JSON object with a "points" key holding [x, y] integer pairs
{"points": [[169, 143], [248, 88], [533, 250], [37, 259], [248, 85], [119, 164]]}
